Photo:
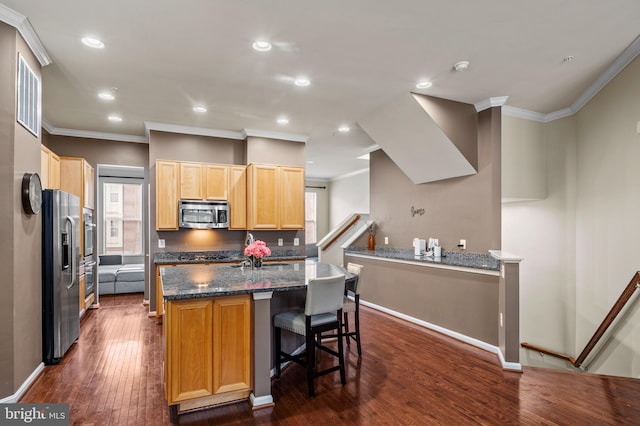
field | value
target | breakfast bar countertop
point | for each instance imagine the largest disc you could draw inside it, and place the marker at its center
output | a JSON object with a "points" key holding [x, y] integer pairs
{"points": [[223, 279], [477, 261]]}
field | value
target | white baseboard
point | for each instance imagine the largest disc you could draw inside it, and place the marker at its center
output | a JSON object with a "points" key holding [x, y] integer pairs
{"points": [[23, 388], [515, 366]]}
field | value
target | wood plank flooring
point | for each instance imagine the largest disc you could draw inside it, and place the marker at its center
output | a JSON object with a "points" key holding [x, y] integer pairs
{"points": [[406, 376]]}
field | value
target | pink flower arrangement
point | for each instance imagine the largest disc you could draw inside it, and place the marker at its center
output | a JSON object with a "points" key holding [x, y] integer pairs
{"points": [[258, 249]]}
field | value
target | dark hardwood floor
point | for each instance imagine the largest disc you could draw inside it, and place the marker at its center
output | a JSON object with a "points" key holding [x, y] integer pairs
{"points": [[406, 376]]}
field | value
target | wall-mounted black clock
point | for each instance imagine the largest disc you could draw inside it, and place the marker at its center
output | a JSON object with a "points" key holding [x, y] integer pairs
{"points": [[31, 193]]}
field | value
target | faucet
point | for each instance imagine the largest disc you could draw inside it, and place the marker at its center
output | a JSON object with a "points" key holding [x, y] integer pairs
{"points": [[249, 239]]}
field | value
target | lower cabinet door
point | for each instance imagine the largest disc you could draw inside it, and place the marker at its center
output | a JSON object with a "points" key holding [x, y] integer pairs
{"points": [[207, 347], [189, 349], [232, 343]]}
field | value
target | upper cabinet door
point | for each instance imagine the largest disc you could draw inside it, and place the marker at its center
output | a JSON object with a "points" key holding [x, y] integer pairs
{"points": [[54, 171], [216, 181], [167, 186], [191, 181], [262, 196], [237, 197], [291, 181], [89, 188], [44, 167]]}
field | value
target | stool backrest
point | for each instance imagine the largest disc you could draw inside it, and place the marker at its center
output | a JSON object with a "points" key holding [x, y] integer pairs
{"points": [[354, 268], [324, 295]]}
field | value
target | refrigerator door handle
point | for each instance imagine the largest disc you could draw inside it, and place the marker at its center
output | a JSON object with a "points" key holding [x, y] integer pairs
{"points": [[72, 255]]}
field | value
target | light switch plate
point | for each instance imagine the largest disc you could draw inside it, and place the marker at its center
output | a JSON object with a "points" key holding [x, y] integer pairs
{"points": [[280, 242], [386, 240], [160, 243], [296, 241]]}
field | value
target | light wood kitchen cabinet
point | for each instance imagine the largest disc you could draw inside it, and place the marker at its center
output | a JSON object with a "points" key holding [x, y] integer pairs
{"points": [[89, 186], [167, 195], [78, 177], [291, 181], [207, 350], [191, 181], [275, 197], [237, 197], [262, 196], [203, 181], [216, 182], [49, 168], [189, 349]]}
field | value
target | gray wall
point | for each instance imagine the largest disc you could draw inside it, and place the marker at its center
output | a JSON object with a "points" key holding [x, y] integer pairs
{"points": [[21, 234], [459, 208]]}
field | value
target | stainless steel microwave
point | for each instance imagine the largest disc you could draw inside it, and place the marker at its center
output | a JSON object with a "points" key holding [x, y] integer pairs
{"points": [[203, 214]]}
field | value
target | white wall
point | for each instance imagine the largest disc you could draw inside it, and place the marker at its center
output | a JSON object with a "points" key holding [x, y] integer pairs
{"points": [[542, 232], [608, 216], [580, 243], [349, 194], [321, 188]]}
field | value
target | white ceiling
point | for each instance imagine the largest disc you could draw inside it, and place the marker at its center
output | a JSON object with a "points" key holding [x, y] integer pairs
{"points": [[164, 56]]}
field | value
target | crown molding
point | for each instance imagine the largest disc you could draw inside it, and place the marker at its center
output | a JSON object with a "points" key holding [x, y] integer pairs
{"points": [[92, 135], [188, 130], [22, 24], [628, 55], [625, 58], [490, 103], [523, 113], [274, 135]]}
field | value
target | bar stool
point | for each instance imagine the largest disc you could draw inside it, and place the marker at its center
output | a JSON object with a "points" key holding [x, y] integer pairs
{"points": [[351, 303], [322, 312]]}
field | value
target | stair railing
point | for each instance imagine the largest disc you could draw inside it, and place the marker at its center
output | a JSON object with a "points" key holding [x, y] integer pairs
{"points": [[633, 285]]}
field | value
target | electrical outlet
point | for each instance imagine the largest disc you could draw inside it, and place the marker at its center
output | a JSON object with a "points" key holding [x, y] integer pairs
{"points": [[296, 241], [280, 242], [160, 243], [386, 240], [501, 320], [463, 244]]}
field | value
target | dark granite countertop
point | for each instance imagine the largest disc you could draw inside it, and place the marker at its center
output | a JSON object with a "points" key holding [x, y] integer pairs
{"points": [[214, 280], [453, 259], [179, 257]]}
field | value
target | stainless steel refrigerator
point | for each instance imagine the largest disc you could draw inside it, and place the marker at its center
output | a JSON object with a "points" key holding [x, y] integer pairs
{"points": [[60, 278]]}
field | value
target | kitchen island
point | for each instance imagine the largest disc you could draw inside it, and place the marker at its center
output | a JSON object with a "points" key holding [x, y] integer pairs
{"points": [[217, 329]]}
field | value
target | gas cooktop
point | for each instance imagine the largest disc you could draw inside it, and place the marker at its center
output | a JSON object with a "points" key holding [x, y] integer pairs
{"points": [[202, 257]]}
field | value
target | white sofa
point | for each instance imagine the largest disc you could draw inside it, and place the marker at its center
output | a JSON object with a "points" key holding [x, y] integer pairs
{"points": [[114, 277]]}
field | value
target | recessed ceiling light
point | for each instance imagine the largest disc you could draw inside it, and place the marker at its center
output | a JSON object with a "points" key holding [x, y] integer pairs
{"points": [[424, 84], [262, 46], [344, 128], [302, 81], [310, 161], [92, 42], [199, 108], [283, 120], [115, 118], [107, 96], [461, 66]]}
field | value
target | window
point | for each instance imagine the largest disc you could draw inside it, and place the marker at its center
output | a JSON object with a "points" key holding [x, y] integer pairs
{"points": [[122, 218], [310, 218]]}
